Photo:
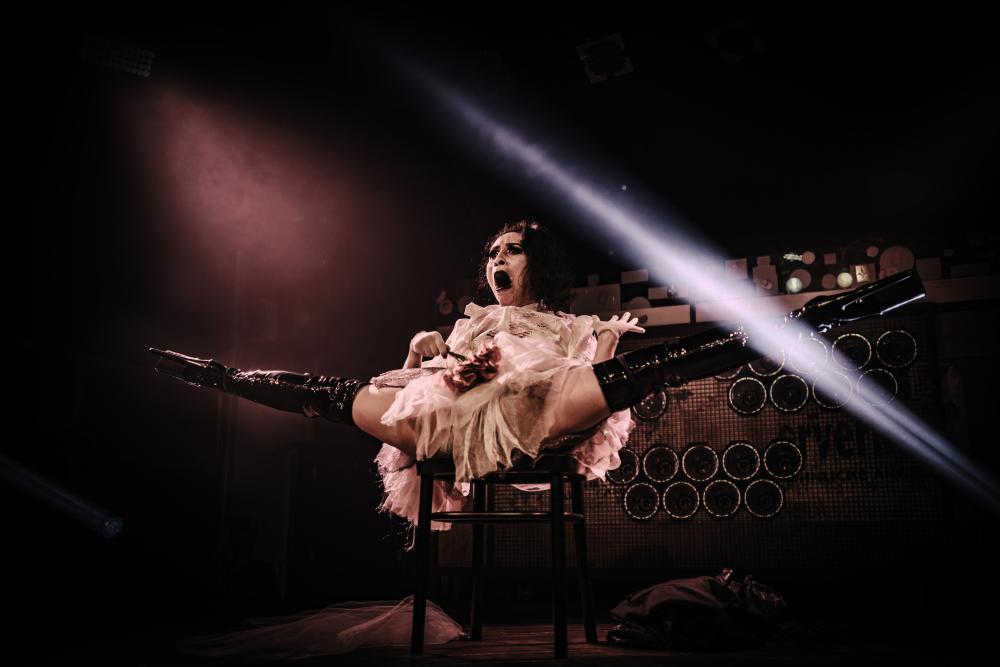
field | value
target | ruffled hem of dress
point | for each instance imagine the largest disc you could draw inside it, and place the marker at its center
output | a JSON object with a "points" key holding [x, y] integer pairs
{"points": [[401, 484]]}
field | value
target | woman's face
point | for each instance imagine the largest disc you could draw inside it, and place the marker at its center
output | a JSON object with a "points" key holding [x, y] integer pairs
{"points": [[507, 271]]}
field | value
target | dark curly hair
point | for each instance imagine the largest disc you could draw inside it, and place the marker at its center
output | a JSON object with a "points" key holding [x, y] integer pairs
{"points": [[549, 273]]}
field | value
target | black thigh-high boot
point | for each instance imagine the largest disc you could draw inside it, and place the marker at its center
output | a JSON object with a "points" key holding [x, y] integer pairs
{"points": [[310, 395], [629, 377]]}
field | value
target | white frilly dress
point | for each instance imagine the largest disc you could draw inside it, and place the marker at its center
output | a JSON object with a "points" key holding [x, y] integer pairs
{"points": [[482, 427]]}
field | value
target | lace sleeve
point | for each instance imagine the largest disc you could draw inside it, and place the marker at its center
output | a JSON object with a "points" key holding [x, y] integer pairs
{"points": [[579, 341], [457, 340]]}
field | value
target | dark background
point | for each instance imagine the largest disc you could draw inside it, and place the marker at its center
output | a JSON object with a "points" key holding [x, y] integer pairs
{"points": [[275, 197]]}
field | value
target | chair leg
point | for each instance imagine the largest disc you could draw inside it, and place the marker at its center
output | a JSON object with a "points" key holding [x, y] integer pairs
{"points": [[583, 563], [434, 576], [558, 565], [421, 538], [478, 554]]}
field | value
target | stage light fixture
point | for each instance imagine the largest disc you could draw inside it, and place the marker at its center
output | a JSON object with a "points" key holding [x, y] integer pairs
{"points": [[122, 57], [604, 58]]}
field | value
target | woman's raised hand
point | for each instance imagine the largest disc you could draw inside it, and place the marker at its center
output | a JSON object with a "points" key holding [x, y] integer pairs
{"points": [[428, 344], [617, 325]]}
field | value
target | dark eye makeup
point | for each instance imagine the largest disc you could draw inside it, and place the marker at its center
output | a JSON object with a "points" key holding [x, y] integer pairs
{"points": [[512, 247]]}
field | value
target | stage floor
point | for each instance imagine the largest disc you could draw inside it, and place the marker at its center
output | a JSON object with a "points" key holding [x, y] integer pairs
{"points": [[521, 644]]}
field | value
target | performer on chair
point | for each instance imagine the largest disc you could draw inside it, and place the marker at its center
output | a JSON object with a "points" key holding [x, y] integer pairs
{"points": [[517, 377]]}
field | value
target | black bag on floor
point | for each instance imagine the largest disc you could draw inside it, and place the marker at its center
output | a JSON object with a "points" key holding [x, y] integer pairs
{"points": [[707, 613]]}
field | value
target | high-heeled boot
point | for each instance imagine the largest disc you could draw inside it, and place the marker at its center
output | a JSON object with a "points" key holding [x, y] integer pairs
{"points": [[628, 378], [310, 395]]}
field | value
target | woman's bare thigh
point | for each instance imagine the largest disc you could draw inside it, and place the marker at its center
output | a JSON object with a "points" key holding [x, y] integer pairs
{"points": [[581, 405], [367, 412]]}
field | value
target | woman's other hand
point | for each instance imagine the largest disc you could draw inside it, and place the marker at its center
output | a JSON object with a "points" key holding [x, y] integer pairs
{"points": [[617, 325]]}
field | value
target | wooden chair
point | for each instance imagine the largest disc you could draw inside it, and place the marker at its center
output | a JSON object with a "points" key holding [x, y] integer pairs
{"points": [[555, 469]]}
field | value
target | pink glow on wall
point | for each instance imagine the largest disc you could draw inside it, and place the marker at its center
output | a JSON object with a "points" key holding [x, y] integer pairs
{"points": [[234, 180], [268, 224]]}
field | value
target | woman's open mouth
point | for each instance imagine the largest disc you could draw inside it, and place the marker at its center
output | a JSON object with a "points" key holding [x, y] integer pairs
{"points": [[502, 280]]}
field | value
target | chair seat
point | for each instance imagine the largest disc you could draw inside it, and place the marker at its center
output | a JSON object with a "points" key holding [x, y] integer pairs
{"points": [[524, 470]]}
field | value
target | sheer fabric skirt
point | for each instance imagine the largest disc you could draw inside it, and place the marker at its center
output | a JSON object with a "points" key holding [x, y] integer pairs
{"points": [[483, 427]]}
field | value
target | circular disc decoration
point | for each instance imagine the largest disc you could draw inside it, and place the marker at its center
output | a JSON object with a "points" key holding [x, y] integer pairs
{"points": [[680, 500], [895, 259], [854, 351], [805, 278], [877, 387], [651, 407], [896, 349], [832, 390], [729, 375], [641, 501], [740, 460], [789, 393], [809, 355], [721, 498], [768, 366], [628, 470], [763, 498], [700, 462], [660, 464], [783, 459], [747, 395]]}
